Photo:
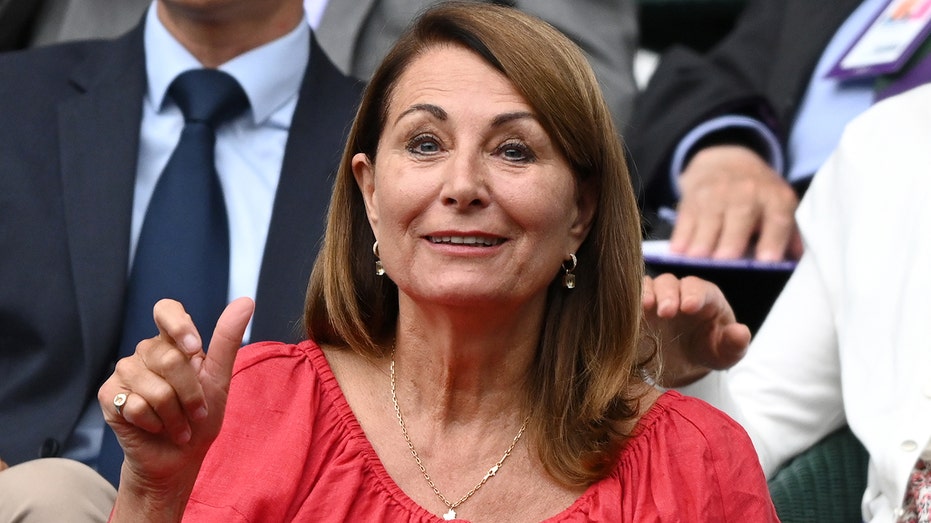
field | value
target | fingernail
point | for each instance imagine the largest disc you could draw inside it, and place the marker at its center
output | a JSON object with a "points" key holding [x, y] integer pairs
{"points": [[185, 436], [767, 257], [190, 343], [200, 413]]}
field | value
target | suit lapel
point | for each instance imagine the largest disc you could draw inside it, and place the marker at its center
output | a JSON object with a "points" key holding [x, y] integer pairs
{"points": [[324, 111], [813, 25], [99, 136]]}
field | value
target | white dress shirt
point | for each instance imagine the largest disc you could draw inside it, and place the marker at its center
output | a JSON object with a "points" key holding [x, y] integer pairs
{"points": [[848, 338], [249, 149], [249, 154]]}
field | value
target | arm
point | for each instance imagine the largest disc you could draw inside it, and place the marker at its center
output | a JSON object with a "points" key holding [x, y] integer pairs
{"points": [[755, 73], [786, 391], [176, 396], [689, 88], [607, 32]]}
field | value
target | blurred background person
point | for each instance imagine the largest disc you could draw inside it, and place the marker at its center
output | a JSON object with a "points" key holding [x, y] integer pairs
{"points": [[845, 342], [92, 131]]}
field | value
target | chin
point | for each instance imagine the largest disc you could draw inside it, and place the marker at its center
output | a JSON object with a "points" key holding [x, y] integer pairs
{"points": [[470, 294]]}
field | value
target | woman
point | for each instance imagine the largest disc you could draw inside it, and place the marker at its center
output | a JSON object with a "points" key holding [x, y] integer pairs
{"points": [[495, 329]]}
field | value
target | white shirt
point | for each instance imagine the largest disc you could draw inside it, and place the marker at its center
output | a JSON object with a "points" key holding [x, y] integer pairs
{"points": [[848, 338], [249, 154], [313, 9], [249, 149]]}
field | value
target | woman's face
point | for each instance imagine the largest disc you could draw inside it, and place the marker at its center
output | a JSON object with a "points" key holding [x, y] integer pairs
{"points": [[470, 200]]}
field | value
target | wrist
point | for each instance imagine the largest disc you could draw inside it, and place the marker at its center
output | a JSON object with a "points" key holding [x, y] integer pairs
{"points": [[139, 499]]}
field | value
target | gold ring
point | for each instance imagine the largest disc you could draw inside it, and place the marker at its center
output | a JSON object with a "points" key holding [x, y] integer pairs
{"points": [[118, 401]]}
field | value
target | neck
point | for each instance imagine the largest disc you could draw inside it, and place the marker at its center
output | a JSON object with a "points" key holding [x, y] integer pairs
{"points": [[216, 35], [456, 367]]}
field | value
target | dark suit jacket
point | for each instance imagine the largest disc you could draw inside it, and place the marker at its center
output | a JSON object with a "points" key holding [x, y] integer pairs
{"points": [[69, 131], [761, 69]]}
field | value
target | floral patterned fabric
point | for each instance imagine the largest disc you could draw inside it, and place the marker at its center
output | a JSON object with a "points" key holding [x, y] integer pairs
{"points": [[917, 505]]}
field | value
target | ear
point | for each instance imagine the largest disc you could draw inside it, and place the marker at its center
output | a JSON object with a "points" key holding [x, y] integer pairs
{"points": [[586, 204], [364, 173]]}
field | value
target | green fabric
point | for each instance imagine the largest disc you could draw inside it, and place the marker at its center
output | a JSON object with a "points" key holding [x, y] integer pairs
{"points": [[825, 484]]}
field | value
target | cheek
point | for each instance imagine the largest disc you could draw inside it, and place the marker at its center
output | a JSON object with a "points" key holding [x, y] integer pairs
{"points": [[547, 210], [399, 206]]}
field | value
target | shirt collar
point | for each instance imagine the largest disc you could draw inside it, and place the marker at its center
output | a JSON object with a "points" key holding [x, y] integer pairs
{"points": [[270, 74]]}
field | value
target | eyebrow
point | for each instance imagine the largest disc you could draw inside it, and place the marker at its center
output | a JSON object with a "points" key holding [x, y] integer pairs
{"points": [[440, 114], [436, 111], [502, 119]]}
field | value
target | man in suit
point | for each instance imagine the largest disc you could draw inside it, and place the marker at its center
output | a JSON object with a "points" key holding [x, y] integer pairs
{"points": [[846, 342], [729, 140], [728, 186], [358, 33], [84, 131]]}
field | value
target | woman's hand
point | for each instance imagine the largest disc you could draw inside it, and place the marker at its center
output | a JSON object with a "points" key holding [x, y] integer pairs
{"points": [[695, 327], [175, 397]]}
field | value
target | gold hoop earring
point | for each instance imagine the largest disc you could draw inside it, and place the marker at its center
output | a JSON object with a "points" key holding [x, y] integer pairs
{"points": [[379, 268], [568, 279]]}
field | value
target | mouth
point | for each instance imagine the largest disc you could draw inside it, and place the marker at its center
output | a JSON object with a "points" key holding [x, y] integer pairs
{"points": [[471, 241]]}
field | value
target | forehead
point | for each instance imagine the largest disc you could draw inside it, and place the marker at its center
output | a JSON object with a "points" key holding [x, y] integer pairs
{"points": [[452, 73]]}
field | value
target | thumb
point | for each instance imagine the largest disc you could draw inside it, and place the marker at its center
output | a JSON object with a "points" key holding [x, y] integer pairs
{"points": [[227, 337]]}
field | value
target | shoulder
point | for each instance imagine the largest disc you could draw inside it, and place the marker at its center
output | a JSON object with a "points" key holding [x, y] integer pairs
{"points": [[285, 425], [696, 460], [888, 120], [274, 360], [37, 74], [890, 139], [689, 418], [53, 61], [277, 388]]}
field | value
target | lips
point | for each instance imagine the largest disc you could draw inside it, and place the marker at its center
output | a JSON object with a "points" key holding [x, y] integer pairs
{"points": [[473, 241]]}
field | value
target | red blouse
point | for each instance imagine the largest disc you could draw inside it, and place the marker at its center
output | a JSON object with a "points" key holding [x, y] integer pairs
{"points": [[292, 450]]}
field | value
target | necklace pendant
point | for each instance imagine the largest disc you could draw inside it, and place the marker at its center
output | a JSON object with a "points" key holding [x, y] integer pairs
{"points": [[450, 515]]}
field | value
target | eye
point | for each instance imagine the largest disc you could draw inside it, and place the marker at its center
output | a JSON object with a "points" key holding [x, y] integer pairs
{"points": [[423, 144], [516, 152]]}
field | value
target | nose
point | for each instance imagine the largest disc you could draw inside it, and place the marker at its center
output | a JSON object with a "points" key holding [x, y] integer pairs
{"points": [[465, 182]]}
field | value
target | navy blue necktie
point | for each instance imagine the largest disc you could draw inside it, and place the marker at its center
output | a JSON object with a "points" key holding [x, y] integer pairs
{"points": [[183, 250]]}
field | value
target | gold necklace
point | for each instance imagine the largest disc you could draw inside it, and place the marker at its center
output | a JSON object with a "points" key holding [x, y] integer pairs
{"points": [[451, 513]]}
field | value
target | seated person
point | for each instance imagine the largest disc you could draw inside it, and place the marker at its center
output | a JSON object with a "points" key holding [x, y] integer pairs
{"points": [[84, 180], [846, 341], [730, 139], [496, 328]]}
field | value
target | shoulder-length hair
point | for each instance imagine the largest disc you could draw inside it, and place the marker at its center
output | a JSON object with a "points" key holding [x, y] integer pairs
{"points": [[579, 388]]}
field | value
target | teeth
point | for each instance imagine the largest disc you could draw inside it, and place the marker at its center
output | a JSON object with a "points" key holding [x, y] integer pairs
{"points": [[466, 240]]}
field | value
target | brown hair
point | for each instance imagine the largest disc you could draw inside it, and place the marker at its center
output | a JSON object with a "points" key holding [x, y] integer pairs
{"points": [[579, 387]]}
